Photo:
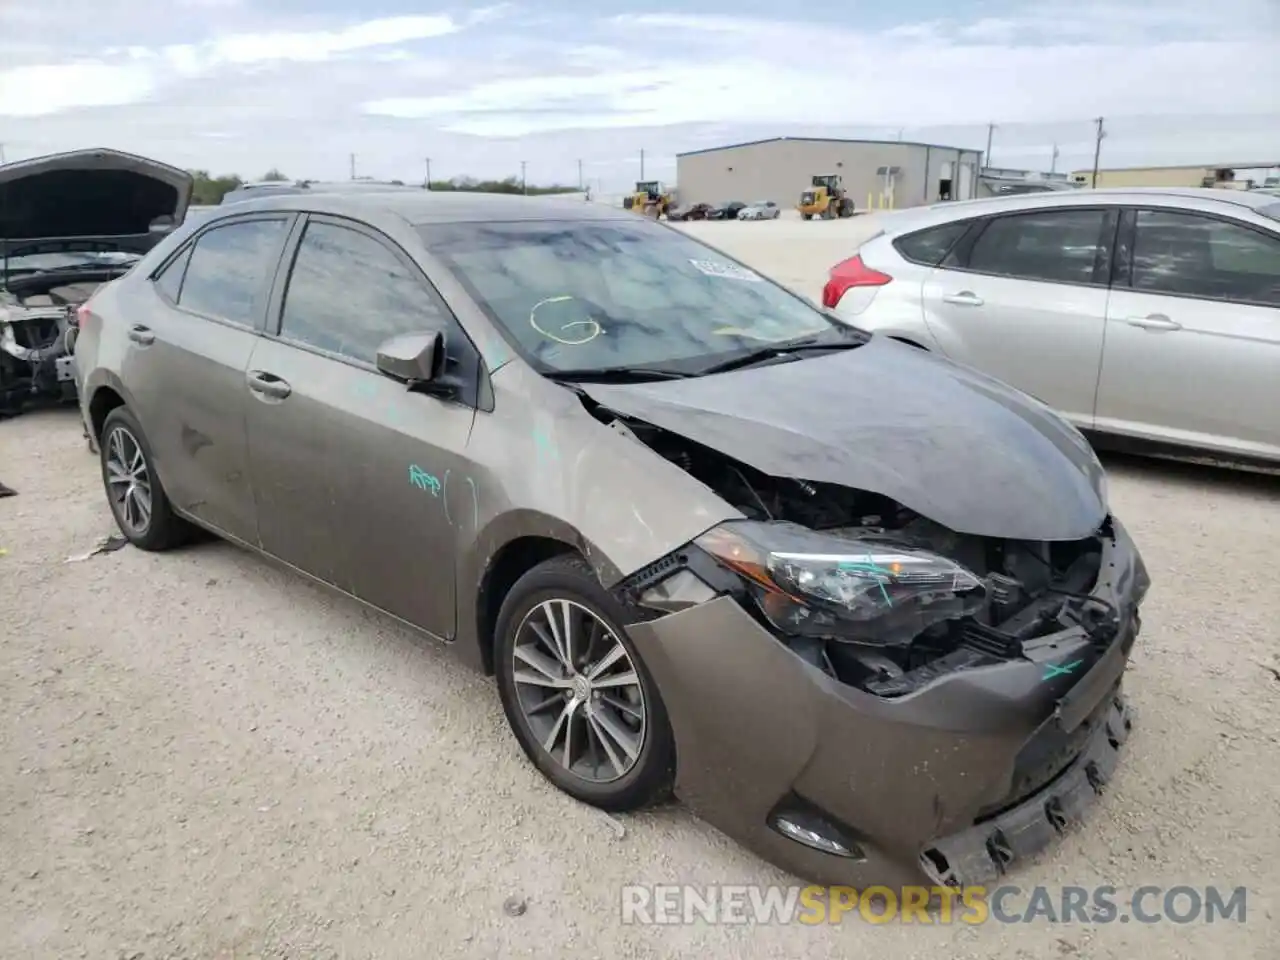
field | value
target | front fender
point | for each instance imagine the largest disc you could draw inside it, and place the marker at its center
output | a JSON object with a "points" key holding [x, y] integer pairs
{"points": [[545, 467]]}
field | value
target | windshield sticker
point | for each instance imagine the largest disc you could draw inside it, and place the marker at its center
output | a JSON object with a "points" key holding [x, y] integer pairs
{"points": [[726, 271]]}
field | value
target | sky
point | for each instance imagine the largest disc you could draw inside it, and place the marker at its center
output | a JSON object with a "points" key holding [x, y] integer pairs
{"points": [[245, 85]]}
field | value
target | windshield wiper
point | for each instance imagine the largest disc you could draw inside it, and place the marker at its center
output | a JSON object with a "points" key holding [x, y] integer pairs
{"points": [[616, 375], [785, 349]]}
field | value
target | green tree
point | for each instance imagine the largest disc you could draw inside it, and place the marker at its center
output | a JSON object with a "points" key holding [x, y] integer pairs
{"points": [[274, 176], [209, 191]]}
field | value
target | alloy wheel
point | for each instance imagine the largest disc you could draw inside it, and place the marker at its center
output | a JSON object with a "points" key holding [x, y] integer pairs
{"points": [[579, 691], [128, 481]]}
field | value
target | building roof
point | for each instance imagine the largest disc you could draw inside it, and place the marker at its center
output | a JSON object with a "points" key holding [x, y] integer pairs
{"points": [[1264, 164], [893, 143]]}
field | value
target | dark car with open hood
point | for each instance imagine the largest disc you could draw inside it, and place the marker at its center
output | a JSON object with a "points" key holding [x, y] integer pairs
{"points": [[863, 609], [70, 222]]}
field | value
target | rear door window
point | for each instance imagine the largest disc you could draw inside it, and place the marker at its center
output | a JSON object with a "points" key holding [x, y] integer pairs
{"points": [[1190, 255], [229, 270], [349, 293], [1057, 246], [928, 247]]}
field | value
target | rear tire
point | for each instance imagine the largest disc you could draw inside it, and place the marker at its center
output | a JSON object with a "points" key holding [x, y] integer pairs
{"points": [[595, 726], [137, 499]]}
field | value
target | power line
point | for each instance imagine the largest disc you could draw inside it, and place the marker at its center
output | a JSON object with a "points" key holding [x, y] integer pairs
{"points": [[1097, 150]]}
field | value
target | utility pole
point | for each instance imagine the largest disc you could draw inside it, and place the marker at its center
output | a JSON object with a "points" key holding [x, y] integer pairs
{"points": [[428, 161], [580, 184], [991, 131], [642, 163], [1053, 164], [524, 184], [2, 159], [353, 166], [1097, 150]]}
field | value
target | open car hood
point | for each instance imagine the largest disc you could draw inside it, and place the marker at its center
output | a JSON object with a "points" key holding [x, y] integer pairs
{"points": [[94, 199], [950, 443]]}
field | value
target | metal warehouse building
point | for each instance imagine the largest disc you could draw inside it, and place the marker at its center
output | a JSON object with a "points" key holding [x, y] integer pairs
{"points": [[1214, 175], [876, 173]]}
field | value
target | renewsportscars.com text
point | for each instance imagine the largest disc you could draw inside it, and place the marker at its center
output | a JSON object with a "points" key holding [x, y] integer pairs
{"points": [[682, 904]]}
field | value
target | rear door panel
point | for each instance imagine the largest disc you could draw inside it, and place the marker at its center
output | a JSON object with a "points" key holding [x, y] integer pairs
{"points": [[1193, 347], [185, 365]]}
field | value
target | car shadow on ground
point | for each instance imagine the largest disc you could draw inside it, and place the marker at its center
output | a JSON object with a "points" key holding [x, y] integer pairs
{"points": [[1215, 477]]}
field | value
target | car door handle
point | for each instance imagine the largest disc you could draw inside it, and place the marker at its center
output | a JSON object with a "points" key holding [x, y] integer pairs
{"points": [[1156, 321], [268, 384], [143, 335], [965, 298]]}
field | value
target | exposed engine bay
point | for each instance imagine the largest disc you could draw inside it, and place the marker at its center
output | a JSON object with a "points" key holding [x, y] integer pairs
{"points": [[996, 599], [37, 336]]}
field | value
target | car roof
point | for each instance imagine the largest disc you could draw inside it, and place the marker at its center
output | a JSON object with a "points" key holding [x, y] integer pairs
{"points": [[436, 206], [1204, 198]]}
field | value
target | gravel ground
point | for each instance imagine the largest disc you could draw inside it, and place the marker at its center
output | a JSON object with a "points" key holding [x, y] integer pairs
{"points": [[204, 756]]}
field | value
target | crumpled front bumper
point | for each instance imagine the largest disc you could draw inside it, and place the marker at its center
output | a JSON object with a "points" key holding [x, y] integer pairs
{"points": [[952, 783]]}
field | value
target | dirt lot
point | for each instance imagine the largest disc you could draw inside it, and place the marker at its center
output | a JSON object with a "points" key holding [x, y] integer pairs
{"points": [[204, 756]]}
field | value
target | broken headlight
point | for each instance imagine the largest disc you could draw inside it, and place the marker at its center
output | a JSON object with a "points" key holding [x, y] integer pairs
{"points": [[863, 590]]}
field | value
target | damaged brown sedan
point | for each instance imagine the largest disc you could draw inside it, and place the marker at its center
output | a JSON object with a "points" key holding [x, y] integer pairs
{"points": [[862, 609]]}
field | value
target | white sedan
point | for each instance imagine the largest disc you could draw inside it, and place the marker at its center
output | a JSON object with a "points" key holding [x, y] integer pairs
{"points": [[760, 210], [1148, 315]]}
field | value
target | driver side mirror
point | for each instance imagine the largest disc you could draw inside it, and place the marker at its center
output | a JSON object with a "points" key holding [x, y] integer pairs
{"points": [[412, 357]]}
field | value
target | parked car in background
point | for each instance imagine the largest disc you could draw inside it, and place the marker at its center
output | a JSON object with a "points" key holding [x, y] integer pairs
{"points": [[70, 222], [760, 210], [697, 211], [1151, 315], [707, 537], [726, 211]]}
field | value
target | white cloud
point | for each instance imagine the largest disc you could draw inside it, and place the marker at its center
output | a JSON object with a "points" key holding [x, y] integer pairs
{"points": [[39, 90], [1051, 63], [138, 71], [317, 46]]}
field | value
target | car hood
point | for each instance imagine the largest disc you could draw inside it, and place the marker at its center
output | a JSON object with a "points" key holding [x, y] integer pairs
{"points": [[105, 197], [941, 439]]}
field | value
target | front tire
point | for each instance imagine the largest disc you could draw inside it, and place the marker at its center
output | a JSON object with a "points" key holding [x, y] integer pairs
{"points": [[579, 699], [134, 492]]}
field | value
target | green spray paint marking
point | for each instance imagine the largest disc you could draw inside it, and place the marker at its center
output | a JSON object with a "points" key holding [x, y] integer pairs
{"points": [[423, 480], [869, 566], [544, 446], [1060, 669]]}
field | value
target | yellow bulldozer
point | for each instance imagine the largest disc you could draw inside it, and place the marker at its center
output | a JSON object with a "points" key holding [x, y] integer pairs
{"points": [[826, 198], [651, 199]]}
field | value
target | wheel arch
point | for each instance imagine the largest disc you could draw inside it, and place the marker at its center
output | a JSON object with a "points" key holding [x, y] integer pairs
{"points": [[509, 548]]}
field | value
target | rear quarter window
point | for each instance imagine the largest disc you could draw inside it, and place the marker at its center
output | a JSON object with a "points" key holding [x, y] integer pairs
{"points": [[928, 247]]}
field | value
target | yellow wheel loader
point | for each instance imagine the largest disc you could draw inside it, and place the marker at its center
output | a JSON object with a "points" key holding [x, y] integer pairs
{"points": [[826, 198], [651, 199]]}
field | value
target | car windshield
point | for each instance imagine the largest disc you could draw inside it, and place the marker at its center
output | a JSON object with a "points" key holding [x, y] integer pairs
{"points": [[586, 295]]}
